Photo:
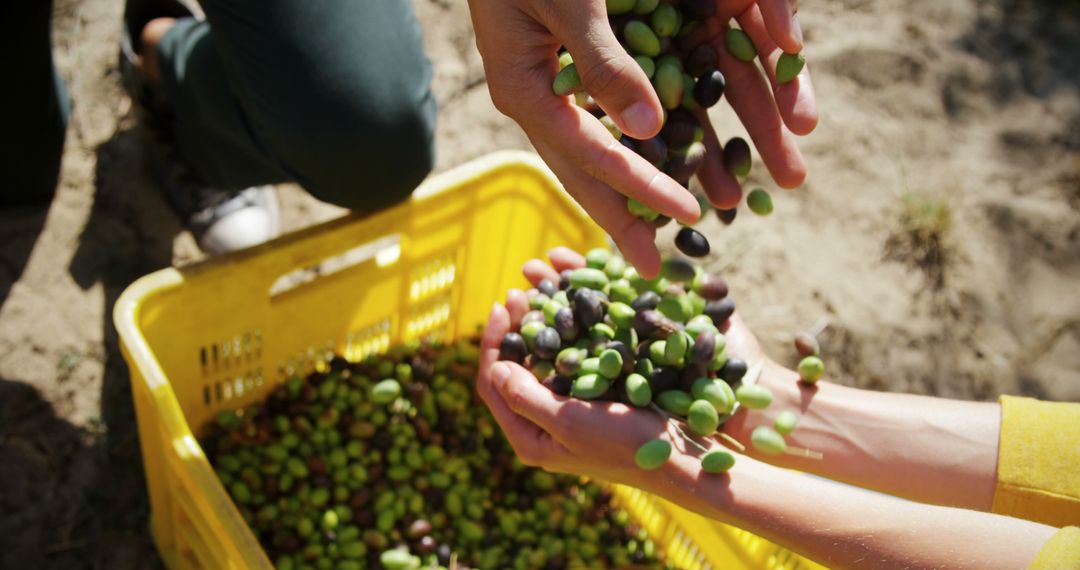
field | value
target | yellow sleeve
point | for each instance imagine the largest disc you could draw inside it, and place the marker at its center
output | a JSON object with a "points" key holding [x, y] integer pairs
{"points": [[1061, 552], [1039, 461]]}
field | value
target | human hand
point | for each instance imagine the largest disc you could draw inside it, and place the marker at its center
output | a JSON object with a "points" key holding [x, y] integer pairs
{"points": [[519, 40]]}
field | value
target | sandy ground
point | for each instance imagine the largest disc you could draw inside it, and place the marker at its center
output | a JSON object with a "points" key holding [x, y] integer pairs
{"points": [[938, 234]]}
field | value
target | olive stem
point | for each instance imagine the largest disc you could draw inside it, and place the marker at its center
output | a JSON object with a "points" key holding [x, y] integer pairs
{"points": [[671, 421], [733, 442], [819, 327], [803, 452]]}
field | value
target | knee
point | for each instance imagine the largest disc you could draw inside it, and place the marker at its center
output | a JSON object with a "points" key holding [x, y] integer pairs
{"points": [[371, 156]]}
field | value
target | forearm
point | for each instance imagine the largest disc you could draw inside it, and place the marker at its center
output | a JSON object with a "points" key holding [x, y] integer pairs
{"points": [[843, 527], [930, 450]]}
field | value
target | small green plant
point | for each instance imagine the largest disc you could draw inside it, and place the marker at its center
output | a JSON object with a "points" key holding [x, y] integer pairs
{"points": [[921, 238]]}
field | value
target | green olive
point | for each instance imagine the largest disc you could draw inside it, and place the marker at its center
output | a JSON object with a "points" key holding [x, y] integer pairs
{"points": [[717, 461], [653, 454], [754, 396], [674, 401], [788, 67], [785, 422], [766, 440], [702, 418], [638, 390], [590, 387], [811, 369], [740, 45], [385, 391]]}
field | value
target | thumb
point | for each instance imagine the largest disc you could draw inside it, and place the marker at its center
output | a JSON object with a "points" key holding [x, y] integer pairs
{"points": [[607, 71]]}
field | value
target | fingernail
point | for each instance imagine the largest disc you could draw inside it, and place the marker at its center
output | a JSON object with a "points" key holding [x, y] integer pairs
{"points": [[796, 30], [640, 119], [500, 374]]}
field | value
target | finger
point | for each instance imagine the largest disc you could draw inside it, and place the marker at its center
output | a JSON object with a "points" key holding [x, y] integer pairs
{"points": [[607, 70], [750, 97], [563, 258], [635, 237], [530, 442], [517, 304], [722, 188], [779, 16], [795, 100], [536, 271]]}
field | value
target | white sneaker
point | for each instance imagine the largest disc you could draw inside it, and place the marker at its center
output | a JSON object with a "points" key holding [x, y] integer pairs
{"points": [[240, 221]]}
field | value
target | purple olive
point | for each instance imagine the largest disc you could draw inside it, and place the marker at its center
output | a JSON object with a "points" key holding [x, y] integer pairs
{"points": [[733, 370], [654, 150], [645, 301], [709, 88], [712, 288], [588, 308], [692, 243], [720, 311], [565, 324], [547, 343], [559, 384], [664, 379], [702, 60], [680, 129], [704, 348], [547, 287], [726, 216], [512, 348]]}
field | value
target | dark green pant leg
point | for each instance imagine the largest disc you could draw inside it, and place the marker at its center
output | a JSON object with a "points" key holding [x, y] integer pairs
{"points": [[34, 106], [335, 93]]}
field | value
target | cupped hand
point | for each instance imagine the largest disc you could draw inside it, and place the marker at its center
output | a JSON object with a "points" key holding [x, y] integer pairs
{"points": [[597, 439], [519, 40]]}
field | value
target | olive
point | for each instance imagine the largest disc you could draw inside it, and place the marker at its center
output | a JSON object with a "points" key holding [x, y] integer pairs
{"points": [[559, 384], [647, 65], [650, 323], [720, 311], [701, 418], [638, 390], [418, 528], [569, 360], [665, 20], [691, 243], [617, 7], [654, 150], [709, 88], [645, 301], [565, 325], [663, 379], [704, 349], [710, 287], [733, 371], [588, 308], [567, 81], [754, 396], [739, 44], [675, 401], [811, 369], [513, 348], [760, 202], [726, 216], [717, 461], [788, 67], [806, 344], [653, 454], [610, 364], [547, 287], [702, 60], [681, 126], [685, 164], [677, 269], [548, 343], [564, 279], [766, 440], [628, 358], [385, 391], [597, 257], [590, 387], [531, 316], [641, 39], [644, 7], [717, 393], [785, 422], [737, 159]]}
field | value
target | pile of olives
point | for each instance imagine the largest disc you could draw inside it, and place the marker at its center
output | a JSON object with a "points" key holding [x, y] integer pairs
{"points": [[671, 42], [394, 463], [605, 333]]}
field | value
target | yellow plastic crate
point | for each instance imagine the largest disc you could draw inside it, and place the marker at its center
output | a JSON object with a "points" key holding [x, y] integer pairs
{"points": [[221, 334]]}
